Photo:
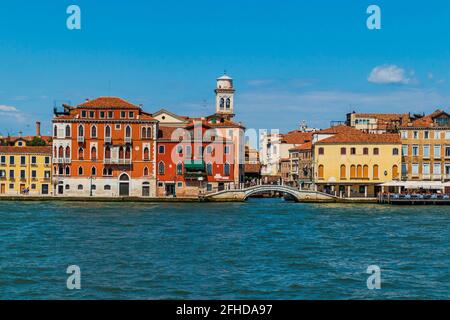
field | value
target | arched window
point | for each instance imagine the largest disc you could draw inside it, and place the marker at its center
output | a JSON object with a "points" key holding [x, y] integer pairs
{"points": [[104, 172], [60, 152], [395, 172], [149, 133], [108, 132], [222, 103], [144, 132], [366, 172], [55, 152], [67, 131], [343, 172], [107, 152], [145, 171], [67, 152], [60, 170], [320, 171], [80, 171], [161, 168], [121, 153], [93, 171], [80, 187], [81, 154], [228, 103], [94, 131], [80, 131], [110, 171], [209, 169], [376, 151], [375, 171], [321, 151], [226, 170], [146, 153], [93, 153], [55, 131], [353, 172], [359, 171], [67, 171], [128, 131], [179, 169], [128, 153], [107, 187]]}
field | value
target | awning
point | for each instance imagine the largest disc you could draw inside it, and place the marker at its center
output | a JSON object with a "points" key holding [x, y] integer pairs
{"points": [[434, 185], [194, 165]]}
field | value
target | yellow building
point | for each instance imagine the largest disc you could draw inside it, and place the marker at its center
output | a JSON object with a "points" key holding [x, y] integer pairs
{"points": [[350, 163], [25, 169]]}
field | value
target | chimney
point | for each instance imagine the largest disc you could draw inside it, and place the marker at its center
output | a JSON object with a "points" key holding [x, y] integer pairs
{"points": [[38, 129]]}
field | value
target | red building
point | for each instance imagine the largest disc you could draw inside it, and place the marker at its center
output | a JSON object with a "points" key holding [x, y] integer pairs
{"points": [[104, 147], [193, 159]]}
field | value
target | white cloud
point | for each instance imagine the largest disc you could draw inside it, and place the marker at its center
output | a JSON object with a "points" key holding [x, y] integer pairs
{"points": [[8, 108], [389, 74]]}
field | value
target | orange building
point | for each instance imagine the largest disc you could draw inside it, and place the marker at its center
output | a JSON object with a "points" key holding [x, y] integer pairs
{"points": [[104, 147]]}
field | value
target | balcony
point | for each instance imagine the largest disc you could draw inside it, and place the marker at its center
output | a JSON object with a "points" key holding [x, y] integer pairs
{"points": [[127, 139], [125, 162], [62, 160], [117, 161], [108, 140], [80, 139], [426, 176], [437, 177]]}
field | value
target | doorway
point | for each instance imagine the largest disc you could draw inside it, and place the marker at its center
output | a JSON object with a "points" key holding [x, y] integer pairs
{"points": [[146, 189], [3, 188], [170, 189], [124, 185]]}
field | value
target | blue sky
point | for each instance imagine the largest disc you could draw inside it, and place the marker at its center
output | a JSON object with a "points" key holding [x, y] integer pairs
{"points": [[291, 60]]}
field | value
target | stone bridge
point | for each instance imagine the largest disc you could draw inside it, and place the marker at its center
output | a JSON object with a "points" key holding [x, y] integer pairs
{"points": [[244, 194]]}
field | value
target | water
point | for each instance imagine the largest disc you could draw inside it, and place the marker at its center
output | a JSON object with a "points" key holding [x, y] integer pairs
{"points": [[261, 249]]}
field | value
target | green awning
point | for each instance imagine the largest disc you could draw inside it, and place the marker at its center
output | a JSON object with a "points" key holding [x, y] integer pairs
{"points": [[194, 165]]}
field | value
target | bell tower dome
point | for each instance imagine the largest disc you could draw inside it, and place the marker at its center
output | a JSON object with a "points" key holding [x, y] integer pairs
{"points": [[225, 97]]}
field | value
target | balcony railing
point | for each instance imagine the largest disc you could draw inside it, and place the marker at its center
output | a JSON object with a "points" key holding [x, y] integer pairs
{"points": [[117, 161], [80, 139], [62, 160], [127, 139], [107, 139]]}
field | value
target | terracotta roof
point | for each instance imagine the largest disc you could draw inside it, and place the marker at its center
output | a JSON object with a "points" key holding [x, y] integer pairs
{"points": [[22, 150], [387, 138], [108, 102], [427, 121], [252, 168], [305, 146], [338, 129], [296, 137]]}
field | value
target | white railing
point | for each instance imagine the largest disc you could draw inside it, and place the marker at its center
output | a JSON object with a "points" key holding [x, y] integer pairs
{"points": [[107, 139], [80, 139]]}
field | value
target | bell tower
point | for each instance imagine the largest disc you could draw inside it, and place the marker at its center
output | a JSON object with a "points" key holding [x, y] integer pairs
{"points": [[225, 97]]}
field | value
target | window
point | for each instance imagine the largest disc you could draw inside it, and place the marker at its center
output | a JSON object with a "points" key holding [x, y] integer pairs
{"points": [[128, 153], [80, 171], [67, 131], [415, 169], [11, 174], [110, 114], [180, 184], [437, 152], [222, 103], [209, 187], [83, 113], [91, 114], [94, 153], [209, 169], [426, 169], [3, 160], [80, 153], [80, 187], [376, 171], [179, 169], [376, 151], [107, 152], [395, 151], [353, 172], [437, 167], [11, 185], [188, 151], [93, 171], [395, 172], [343, 172], [94, 187], [352, 151], [160, 184], [359, 171], [320, 172], [55, 131], [447, 135], [33, 186], [22, 160], [102, 114], [47, 174], [146, 154], [22, 174], [209, 150], [426, 151], [415, 135], [366, 151], [426, 134], [11, 160], [161, 168], [131, 114], [80, 131], [180, 149], [93, 132], [226, 170], [404, 169], [415, 150], [404, 134], [366, 172], [47, 160], [437, 135], [404, 150], [107, 187], [228, 104], [67, 187], [227, 150], [33, 174], [2, 174], [145, 171], [107, 132], [321, 151], [343, 151], [447, 151], [161, 149], [123, 114], [67, 171]]}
